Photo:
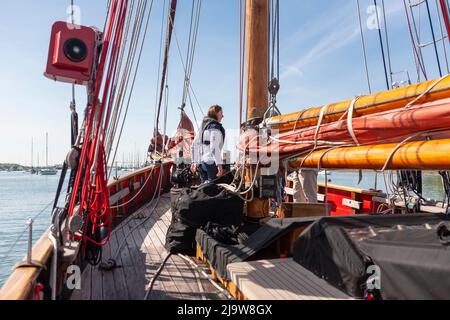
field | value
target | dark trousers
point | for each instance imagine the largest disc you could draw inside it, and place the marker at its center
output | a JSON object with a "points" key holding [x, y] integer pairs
{"points": [[208, 172]]}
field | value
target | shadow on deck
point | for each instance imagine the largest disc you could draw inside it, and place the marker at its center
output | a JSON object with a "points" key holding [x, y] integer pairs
{"points": [[139, 258]]}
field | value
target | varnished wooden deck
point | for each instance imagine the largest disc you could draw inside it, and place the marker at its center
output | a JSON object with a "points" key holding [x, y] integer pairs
{"points": [[139, 259], [280, 280]]}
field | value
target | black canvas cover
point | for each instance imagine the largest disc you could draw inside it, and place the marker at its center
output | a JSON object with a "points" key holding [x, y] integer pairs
{"points": [[414, 263], [195, 208], [340, 250], [259, 237]]}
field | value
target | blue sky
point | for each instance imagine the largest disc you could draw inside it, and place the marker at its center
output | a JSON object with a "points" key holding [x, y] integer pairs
{"points": [[321, 62]]}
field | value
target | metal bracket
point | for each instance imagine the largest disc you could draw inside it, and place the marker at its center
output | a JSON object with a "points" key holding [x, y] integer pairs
{"points": [[29, 263]]}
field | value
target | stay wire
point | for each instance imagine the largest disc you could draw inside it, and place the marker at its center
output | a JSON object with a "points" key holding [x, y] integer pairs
{"points": [[386, 35], [6, 256], [416, 50], [381, 45], [417, 33], [443, 36], [363, 44], [133, 81], [434, 38]]}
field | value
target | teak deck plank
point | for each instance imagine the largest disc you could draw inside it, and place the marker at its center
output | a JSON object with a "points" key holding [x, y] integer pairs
{"points": [[110, 280], [120, 273], [152, 261], [138, 261], [280, 279]]}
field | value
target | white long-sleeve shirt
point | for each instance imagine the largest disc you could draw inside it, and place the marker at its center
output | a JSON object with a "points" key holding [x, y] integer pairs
{"points": [[209, 153]]}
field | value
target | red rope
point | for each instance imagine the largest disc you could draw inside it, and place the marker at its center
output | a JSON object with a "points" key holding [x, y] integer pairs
{"points": [[92, 191], [446, 17]]}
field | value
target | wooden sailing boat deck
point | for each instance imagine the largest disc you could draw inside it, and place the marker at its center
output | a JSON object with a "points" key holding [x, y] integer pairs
{"points": [[138, 261]]}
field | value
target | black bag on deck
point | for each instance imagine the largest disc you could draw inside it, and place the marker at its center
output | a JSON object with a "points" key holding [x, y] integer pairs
{"points": [[195, 208]]}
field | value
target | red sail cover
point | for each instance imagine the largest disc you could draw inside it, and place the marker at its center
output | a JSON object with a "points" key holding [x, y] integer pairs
{"points": [[386, 127], [183, 138]]}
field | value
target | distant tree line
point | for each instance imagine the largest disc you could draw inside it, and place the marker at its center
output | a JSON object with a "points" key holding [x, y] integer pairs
{"points": [[12, 167]]}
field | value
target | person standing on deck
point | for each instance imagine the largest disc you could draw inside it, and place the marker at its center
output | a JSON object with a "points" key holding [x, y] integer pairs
{"points": [[305, 186], [208, 144]]}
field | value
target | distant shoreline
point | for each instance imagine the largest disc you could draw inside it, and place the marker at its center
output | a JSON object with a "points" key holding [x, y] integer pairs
{"points": [[12, 167], [17, 167]]}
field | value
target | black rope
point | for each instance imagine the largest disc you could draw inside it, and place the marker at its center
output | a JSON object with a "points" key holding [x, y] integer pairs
{"points": [[434, 38], [386, 35], [381, 45]]}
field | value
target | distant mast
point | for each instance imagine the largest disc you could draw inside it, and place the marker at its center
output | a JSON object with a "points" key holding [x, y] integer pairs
{"points": [[46, 149], [32, 154]]}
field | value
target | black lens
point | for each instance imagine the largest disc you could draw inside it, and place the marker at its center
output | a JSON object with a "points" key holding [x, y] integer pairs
{"points": [[75, 50]]}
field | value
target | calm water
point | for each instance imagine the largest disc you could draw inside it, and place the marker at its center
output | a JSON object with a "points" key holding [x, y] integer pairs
{"points": [[23, 196]]}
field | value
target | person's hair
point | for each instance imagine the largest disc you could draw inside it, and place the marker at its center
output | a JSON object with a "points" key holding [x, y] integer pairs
{"points": [[213, 111]]}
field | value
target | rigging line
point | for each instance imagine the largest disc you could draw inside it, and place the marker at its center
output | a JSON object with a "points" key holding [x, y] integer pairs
{"points": [[382, 45], [184, 68], [118, 102], [445, 14], [73, 104], [278, 38], [363, 44], [274, 36], [6, 255], [170, 27], [158, 81], [417, 33], [134, 81], [416, 54], [109, 91], [192, 45], [388, 49], [25, 229], [114, 102], [241, 80], [193, 111], [187, 56], [444, 47], [434, 38], [123, 90]]}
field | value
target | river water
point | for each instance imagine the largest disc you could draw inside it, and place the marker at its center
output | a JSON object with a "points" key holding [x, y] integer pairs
{"points": [[24, 196]]}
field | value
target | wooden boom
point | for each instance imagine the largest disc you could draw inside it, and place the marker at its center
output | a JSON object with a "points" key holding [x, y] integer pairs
{"points": [[370, 104], [421, 155]]}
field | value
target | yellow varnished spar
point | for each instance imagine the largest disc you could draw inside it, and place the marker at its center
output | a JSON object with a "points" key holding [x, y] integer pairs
{"points": [[370, 104], [421, 155]]}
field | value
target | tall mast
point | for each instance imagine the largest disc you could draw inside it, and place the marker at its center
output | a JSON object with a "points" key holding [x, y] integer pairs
{"points": [[257, 63], [257, 57]]}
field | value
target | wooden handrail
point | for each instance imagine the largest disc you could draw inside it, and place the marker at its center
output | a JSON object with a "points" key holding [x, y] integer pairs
{"points": [[19, 285]]}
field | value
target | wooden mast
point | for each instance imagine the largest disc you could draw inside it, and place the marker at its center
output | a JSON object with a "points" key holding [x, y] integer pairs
{"points": [[257, 57], [257, 62]]}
